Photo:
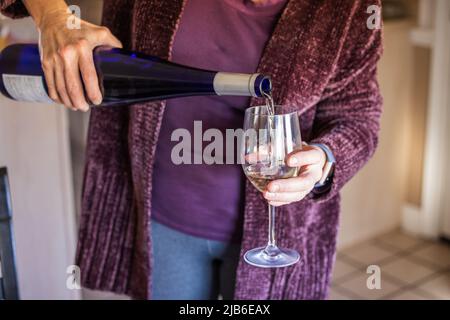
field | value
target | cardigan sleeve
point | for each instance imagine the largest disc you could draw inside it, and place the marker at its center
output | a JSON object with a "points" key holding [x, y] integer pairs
{"points": [[348, 116], [13, 8], [108, 137]]}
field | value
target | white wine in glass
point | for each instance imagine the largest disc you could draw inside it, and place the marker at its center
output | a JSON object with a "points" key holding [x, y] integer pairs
{"points": [[261, 178]]}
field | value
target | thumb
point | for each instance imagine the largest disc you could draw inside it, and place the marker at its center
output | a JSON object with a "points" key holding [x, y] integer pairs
{"points": [[113, 41], [307, 156], [105, 37]]}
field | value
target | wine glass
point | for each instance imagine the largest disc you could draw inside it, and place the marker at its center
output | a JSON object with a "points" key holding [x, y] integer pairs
{"points": [[268, 139]]}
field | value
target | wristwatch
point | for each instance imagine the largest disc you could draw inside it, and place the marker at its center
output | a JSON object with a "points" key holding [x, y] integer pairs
{"points": [[328, 169]]}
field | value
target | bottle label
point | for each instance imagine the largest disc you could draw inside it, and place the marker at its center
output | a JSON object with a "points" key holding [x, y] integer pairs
{"points": [[26, 88]]}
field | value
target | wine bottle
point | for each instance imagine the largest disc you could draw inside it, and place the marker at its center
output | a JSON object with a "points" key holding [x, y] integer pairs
{"points": [[126, 77]]}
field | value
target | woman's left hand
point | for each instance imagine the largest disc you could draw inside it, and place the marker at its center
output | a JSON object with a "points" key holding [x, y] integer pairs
{"points": [[310, 161]]}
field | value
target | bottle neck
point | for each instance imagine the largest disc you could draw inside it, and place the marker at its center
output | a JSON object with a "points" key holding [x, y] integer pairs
{"points": [[241, 84]]}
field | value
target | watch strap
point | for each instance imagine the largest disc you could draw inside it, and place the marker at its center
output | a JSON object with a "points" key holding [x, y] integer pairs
{"points": [[329, 165]]}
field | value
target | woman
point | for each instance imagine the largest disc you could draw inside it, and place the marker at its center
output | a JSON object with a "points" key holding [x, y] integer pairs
{"points": [[151, 229]]}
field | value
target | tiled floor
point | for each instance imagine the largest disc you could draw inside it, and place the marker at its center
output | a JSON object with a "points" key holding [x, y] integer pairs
{"points": [[410, 269]]}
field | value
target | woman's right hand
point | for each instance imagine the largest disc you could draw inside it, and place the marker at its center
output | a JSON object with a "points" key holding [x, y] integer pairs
{"points": [[67, 53]]}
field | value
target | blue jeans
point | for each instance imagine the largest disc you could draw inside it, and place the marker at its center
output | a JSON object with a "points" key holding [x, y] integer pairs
{"points": [[191, 268]]}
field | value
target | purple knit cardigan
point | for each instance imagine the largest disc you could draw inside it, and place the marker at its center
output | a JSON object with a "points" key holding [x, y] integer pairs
{"points": [[322, 57]]}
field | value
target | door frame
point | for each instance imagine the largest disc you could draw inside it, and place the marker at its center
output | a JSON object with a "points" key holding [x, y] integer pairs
{"points": [[429, 219]]}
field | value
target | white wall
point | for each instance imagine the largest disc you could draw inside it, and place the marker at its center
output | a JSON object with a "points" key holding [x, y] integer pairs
{"points": [[372, 201], [34, 146]]}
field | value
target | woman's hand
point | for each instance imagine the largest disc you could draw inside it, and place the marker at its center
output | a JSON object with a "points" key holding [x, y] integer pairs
{"points": [[66, 53], [310, 161]]}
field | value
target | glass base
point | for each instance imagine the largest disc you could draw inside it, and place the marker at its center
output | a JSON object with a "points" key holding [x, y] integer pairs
{"points": [[271, 257]]}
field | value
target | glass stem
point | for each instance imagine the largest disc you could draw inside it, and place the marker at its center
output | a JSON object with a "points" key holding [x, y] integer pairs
{"points": [[272, 242]]}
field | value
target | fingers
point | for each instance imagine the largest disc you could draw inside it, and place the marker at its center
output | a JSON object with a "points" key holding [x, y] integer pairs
{"points": [[102, 36], [285, 197], [304, 182], [50, 81], [72, 77], [307, 156], [284, 191], [61, 84], [67, 60], [89, 75], [78, 59]]}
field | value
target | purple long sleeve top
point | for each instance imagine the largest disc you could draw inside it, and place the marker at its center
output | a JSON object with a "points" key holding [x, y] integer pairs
{"points": [[207, 200]]}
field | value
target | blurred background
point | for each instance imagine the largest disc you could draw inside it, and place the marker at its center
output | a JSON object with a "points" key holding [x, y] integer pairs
{"points": [[395, 212]]}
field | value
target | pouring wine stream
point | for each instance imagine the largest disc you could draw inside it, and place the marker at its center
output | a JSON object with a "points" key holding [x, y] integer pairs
{"points": [[271, 249]]}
